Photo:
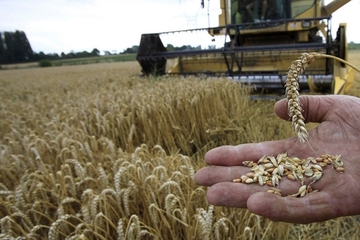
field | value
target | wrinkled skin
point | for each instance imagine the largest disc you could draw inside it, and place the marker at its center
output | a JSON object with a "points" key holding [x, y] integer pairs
{"points": [[339, 193]]}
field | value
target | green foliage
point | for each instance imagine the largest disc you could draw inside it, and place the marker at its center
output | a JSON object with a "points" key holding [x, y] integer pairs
{"points": [[45, 63], [170, 48], [15, 48], [133, 49], [99, 59], [354, 46]]}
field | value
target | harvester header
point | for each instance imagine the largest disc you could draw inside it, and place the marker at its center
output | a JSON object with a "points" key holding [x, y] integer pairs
{"points": [[261, 39]]}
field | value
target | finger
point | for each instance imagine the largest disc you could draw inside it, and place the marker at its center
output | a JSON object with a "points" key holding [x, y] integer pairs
{"points": [[235, 155], [314, 207], [210, 175], [231, 194], [315, 108]]}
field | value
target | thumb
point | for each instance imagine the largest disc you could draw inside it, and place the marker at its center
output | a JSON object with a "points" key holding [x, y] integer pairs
{"points": [[312, 208], [315, 108]]}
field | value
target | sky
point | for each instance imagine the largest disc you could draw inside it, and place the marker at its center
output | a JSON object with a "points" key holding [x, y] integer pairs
{"points": [[55, 26]]}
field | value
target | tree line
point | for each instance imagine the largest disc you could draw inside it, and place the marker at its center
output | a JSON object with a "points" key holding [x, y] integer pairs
{"points": [[169, 47], [15, 48]]}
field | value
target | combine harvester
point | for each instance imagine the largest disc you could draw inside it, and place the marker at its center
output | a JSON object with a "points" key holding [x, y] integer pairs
{"points": [[260, 52]]}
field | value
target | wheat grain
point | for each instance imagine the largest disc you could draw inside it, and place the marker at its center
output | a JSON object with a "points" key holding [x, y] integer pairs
{"points": [[19, 165], [54, 228], [79, 170], [67, 200], [248, 233], [170, 201], [153, 210], [205, 218], [292, 95], [120, 230], [20, 192], [64, 154], [70, 187], [66, 169], [99, 221], [94, 206], [86, 199], [297, 67], [160, 172], [221, 223], [6, 232], [129, 192], [62, 223], [32, 234], [158, 151], [85, 212], [118, 174], [4, 192], [170, 183], [25, 220], [177, 176], [134, 227], [111, 146], [142, 234], [40, 193], [292, 168], [188, 165]]}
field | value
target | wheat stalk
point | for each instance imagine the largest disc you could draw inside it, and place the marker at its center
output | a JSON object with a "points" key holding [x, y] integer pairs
{"points": [[56, 129]]}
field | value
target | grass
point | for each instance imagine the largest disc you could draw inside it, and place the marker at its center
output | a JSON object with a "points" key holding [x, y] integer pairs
{"points": [[94, 151], [73, 61], [91, 60]]}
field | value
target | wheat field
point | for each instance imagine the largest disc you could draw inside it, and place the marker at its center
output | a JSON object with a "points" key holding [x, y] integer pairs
{"points": [[97, 152]]}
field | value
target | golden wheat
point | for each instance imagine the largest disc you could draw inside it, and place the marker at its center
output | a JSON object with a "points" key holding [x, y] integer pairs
{"points": [[292, 94], [93, 152]]}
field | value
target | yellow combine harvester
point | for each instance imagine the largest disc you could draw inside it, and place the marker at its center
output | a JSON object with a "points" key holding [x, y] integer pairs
{"points": [[259, 51]]}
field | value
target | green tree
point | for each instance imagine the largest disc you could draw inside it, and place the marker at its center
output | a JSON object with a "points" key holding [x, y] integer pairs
{"points": [[133, 49], [170, 47], [15, 47], [95, 52], [3, 57]]}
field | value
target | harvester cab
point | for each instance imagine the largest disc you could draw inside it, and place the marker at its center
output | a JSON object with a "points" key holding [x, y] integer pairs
{"points": [[261, 39]]}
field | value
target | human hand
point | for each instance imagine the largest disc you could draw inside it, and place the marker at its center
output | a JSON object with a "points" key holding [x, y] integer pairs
{"points": [[339, 193]]}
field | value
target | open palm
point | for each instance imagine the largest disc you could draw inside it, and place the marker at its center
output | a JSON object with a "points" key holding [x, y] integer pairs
{"points": [[339, 193]]}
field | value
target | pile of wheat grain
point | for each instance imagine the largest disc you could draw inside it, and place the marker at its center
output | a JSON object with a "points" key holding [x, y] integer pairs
{"points": [[94, 152]]}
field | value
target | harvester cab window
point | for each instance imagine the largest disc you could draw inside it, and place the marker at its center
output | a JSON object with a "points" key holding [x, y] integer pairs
{"points": [[300, 6], [247, 11]]}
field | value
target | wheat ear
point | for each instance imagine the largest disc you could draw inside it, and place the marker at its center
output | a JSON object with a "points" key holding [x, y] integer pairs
{"points": [[292, 94], [292, 90]]}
